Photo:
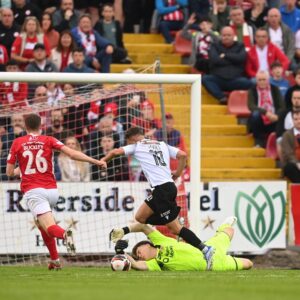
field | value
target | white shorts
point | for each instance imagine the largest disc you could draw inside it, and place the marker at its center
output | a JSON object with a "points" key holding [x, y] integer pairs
{"points": [[40, 201]]}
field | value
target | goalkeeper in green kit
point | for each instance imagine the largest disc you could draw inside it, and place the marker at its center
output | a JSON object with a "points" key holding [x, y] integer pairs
{"points": [[161, 253]]}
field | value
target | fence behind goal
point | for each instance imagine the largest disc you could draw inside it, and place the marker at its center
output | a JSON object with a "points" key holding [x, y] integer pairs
{"points": [[93, 117]]}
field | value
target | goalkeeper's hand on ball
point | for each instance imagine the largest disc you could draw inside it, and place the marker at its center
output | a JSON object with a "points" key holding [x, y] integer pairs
{"points": [[116, 234], [121, 245]]}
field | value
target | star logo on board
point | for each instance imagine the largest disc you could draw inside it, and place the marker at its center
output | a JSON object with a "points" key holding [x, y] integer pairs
{"points": [[72, 223], [208, 222]]}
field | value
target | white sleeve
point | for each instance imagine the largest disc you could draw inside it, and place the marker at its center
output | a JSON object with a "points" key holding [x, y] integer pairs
{"points": [[129, 149], [173, 151], [297, 40]]}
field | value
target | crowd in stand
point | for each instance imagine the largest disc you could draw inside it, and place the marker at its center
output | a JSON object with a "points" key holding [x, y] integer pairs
{"points": [[249, 45]]}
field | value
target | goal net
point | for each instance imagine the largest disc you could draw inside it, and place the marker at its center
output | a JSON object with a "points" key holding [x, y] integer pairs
{"points": [[91, 113]]}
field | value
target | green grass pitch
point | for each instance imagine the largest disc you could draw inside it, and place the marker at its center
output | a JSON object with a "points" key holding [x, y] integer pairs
{"points": [[74, 283]]}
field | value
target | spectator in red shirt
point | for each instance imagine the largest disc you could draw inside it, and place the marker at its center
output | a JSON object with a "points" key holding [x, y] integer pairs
{"points": [[146, 121], [261, 56], [13, 94], [31, 34]]}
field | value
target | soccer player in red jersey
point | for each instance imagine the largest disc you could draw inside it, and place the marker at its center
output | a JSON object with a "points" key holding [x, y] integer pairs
{"points": [[34, 154]]}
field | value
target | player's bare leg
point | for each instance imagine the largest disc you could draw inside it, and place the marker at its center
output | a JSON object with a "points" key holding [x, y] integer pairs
{"points": [[174, 227], [143, 213], [48, 223]]}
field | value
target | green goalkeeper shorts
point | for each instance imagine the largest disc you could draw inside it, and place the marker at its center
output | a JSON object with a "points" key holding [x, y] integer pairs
{"points": [[222, 261]]}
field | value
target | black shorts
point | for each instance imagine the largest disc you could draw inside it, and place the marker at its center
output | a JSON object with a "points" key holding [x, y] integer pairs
{"points": [[163, 203]]}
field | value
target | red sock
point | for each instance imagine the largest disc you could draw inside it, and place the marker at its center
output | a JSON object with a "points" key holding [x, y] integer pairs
{"points": [[50, 243], [56, 231]]}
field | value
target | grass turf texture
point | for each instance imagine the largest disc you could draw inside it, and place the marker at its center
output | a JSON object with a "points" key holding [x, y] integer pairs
{"points": [[101, 283]]}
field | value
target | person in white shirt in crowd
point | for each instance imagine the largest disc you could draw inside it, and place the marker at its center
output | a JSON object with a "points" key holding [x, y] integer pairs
{"points": [[54, 93], [280, 34]]}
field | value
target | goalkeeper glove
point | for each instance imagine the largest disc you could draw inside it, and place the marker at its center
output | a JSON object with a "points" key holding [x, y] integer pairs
{"points": [[117, 234], [121, 245]]}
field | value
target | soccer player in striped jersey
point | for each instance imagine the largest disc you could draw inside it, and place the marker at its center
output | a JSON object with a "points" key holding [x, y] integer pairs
{"points": [[160, 208]]}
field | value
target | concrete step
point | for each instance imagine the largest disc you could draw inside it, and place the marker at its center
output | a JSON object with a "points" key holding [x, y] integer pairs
{"points": [[149, 48], [237, 163], [227, 141], [207, 99], [213, 109], [135, 38], [165, 68], [232, 152], [219, 120], [240, 174], [223, 130], [149, 58]]}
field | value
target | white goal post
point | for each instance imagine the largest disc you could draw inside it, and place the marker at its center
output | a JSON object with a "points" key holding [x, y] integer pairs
{"points": [[195, 113]]}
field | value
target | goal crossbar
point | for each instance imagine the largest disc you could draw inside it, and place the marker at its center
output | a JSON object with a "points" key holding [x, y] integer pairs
{"points": [[195, 103]]}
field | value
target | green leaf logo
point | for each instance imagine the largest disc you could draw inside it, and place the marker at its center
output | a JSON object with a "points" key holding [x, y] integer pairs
{"points": [[258, 220]]}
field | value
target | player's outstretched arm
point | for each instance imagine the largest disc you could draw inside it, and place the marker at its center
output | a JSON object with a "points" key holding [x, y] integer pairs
{"points": [[139, 265], [138, 227], [80, 156], [10, 170], [118, 233], [113, 153], [181, 157]]}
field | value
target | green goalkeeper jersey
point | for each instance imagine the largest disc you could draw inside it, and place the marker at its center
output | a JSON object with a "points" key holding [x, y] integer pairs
{"points": [[174, 256]]}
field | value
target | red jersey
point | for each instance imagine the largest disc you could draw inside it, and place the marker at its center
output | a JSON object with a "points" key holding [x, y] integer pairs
{"points": [[34, 154], [14, 94], [25, 48]]}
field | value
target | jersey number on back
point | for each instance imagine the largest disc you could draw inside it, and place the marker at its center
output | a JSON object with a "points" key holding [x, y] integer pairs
{"points": [[40, 162], [158, 158]]}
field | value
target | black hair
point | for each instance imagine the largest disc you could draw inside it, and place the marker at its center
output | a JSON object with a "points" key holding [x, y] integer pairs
{"points": [[12, 62], [276, 64], [133, 131], [78, 49], [139, 244], [33, 122]]}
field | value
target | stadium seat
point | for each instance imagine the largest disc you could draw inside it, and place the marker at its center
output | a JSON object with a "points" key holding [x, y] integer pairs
{"points": [[237, 104], [182, 45], [271, 149]]}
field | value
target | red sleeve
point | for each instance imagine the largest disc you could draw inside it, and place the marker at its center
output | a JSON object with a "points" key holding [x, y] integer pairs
{"points": [[55, 144], [249, 64], [12, 156], [282, 58], [16, 46], [24, 89], [5, 55], [47, 46]]}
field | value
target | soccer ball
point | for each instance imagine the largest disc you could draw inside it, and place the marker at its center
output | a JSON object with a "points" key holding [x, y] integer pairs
{"points": [[120, 263]]}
